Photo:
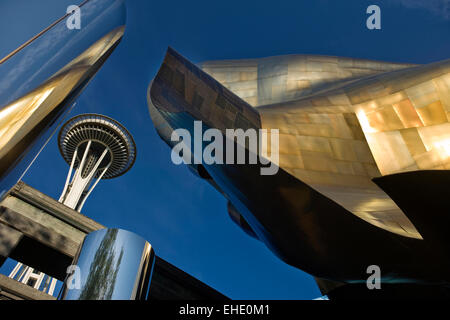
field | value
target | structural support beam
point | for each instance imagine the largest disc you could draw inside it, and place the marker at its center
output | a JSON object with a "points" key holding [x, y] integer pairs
{"points": [[37, 231], [9, 238], [49, 206], [14, 290]]}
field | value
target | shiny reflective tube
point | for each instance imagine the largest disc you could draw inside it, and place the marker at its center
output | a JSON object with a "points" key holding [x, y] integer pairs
{"points": [[40, 82], [112, 264], [46, 55]]}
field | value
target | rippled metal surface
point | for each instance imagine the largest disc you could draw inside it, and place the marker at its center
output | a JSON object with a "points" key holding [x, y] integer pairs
{"points": [[112, 264], [352, 132]]}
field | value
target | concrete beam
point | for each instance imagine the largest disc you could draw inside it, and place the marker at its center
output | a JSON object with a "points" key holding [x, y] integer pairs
{"points": [[9, 238], [35, 230], [49, 205], [14, 290]]}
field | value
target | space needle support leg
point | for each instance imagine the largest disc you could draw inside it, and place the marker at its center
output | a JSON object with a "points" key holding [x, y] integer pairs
{"points": [[77, 191], [91, 175], [69, 175], [93, 186], [78, 184]]}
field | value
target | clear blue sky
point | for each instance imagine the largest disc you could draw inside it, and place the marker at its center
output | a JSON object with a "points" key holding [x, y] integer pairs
{"points": [[183, 217]]}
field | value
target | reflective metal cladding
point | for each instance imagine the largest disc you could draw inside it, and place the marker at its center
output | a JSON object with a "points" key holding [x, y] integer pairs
{"points": [[363, 155], [112, 264]]}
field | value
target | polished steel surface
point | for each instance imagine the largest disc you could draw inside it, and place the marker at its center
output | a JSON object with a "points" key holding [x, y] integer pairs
{"points": [[41, 79], [112, 264], [57, 46], [39, 34], [346, 127], [26, 120]]}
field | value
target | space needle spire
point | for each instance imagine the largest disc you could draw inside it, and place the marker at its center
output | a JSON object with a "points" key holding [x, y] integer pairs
{"points": [[96, 147]]}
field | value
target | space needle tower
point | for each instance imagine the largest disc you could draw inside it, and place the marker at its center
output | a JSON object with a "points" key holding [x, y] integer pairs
{"points": [[95, 147]]}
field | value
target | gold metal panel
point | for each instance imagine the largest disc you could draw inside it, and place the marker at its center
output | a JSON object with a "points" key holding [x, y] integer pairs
{"points": [[362, 151], [339, 99], [317, 144], [314, 129], [296, 85], [432, 114], [422, 94], [291, 161], [371, 170], [298, 118], [344, 121], [390, 151], [288, 144], [432, 159], [319, 118], [413, 141], [407, 114], [443, 92], [390, 99], [384, 119], [436, 137], [293, 76], [359, 168], [343, 149], [316, 161]]}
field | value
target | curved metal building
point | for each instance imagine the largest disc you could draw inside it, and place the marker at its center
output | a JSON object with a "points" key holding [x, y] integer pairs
{"points": [[364, 158]]}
